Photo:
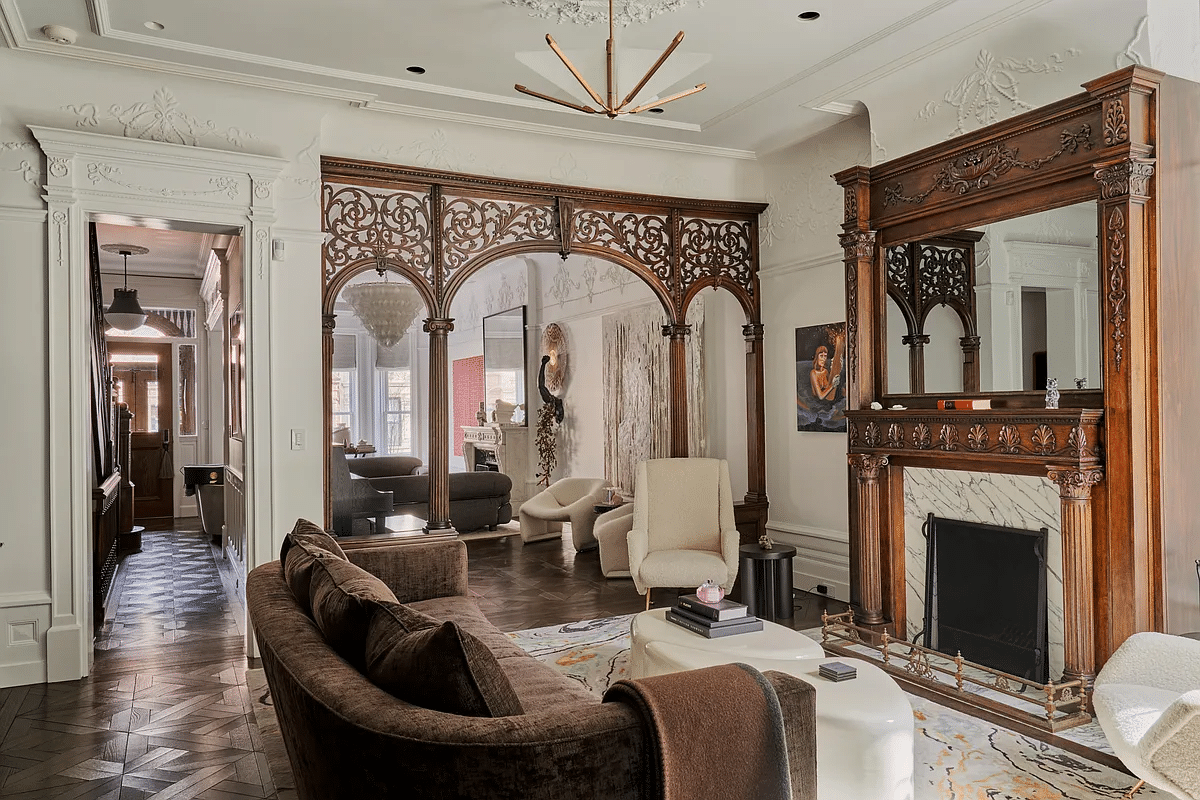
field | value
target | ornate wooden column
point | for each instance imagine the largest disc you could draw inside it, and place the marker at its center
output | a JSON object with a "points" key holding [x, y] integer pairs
{"points": [[870, 520], [1075, 493], [756, 445], [679, 393], [970, 348], [439, 421], [916, 360], [328, 323]]}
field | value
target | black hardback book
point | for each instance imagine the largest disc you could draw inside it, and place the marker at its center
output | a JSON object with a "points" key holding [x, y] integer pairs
{"points": [[722, 610], [708, 622], [749, 626]]}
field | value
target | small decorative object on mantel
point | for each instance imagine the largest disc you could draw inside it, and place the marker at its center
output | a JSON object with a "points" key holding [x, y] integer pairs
{"points": [[876, 405], [504, 412], [765, 542], [710, 592], [481, 415], [1051, 392], [1081, 383]]}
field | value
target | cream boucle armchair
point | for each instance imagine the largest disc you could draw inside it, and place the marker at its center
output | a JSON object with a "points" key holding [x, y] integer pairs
{"points": [[568, 500], [683, 530], [1147, 701]]}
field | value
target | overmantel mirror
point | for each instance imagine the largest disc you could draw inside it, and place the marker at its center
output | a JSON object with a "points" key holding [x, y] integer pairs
{"points": [[504, 366], [1055, 244], [996, 310]]}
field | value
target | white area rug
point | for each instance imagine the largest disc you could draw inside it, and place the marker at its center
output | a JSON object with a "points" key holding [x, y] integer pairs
{"points": [[956, 756]]}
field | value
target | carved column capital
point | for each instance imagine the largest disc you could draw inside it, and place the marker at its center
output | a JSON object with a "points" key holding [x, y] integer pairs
{"points": [[868, 466], [1128, 177], [1075, 484], [753, 331], [969, 343], [915, 339], [858, 245], [328, 323], [438, 326], [676, 331]]}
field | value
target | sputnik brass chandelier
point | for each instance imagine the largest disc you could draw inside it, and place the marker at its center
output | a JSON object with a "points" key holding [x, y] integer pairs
{"points": [[608, 104]]}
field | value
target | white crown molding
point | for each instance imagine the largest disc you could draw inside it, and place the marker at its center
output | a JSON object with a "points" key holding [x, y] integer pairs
{"points": [[555, 130], [299, 235], [792, 267], [946, 42], [66, 142], [16, 214]]}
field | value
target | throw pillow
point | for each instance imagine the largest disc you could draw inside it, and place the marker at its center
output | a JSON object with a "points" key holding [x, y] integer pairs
{"points": [[302, 558], [439, 667], [313, 533], [342, 596]]}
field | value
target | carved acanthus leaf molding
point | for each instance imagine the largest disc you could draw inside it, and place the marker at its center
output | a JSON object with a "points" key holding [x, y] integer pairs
{"points": [[1116, 124], [1075, 484], [1128, 177], [160, 120], [1019, 439], [978, 168], [868, 466]]}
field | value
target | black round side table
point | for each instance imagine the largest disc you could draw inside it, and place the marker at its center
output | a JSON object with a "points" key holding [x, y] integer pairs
{"points": [[767, 580]]}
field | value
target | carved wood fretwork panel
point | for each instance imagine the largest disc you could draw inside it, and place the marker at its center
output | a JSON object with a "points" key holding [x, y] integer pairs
{"points": [[471, 226], [644, 238], [719, 250], [372, 224]]}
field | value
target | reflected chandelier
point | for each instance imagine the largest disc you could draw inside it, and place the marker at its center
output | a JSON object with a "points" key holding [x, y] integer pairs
{"points": [[385, 309], [125, 313], [608, 104]]}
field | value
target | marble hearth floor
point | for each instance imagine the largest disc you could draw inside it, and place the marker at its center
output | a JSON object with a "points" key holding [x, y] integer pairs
{"points": [[166, 711]]}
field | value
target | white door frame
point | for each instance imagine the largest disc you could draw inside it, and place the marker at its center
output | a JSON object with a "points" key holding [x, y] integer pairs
{"points": [[87, 174]]}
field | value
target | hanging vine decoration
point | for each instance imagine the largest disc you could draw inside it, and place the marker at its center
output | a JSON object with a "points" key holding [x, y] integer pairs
{"points": [[545, 441]]}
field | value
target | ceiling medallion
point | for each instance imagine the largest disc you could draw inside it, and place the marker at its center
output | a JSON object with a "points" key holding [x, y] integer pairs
{"points": [[608, 104], [589, 12]]}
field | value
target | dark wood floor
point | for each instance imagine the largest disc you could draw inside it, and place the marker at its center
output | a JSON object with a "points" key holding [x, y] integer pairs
{"points": [[166, 712]]}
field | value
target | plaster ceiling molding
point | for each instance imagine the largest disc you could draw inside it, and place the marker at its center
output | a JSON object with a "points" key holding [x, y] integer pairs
{"points": [[1130, 55], [676, 184], [437, 153], [567, 171], [618, 276], [878, 151], [589, 278], [981, 96], [592, 12], [159, 120], [29, 172]]}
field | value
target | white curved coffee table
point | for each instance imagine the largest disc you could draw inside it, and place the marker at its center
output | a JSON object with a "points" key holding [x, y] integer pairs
{"points": [[864, 726]]}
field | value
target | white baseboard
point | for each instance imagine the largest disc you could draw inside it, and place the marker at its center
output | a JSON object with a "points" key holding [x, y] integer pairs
{"points": [[822, 557], [22, 674]]}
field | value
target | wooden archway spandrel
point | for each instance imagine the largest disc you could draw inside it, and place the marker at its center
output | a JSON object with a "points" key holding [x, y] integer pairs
{"points": [[438, 228]]}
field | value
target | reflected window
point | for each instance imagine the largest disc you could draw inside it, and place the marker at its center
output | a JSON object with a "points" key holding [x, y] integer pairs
{"points": [[393, 376], [343, 388]]}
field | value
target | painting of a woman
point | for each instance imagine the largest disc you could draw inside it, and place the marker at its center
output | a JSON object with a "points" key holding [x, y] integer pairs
{"points": [[820, 382]]}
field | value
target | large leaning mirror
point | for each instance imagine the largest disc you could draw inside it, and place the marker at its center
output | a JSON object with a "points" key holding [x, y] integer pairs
{"points": [[504, 366], [999, 308]]}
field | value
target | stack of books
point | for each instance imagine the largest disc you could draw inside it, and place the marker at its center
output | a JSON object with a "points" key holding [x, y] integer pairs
{"points": [[723, 618], [837, 671]]}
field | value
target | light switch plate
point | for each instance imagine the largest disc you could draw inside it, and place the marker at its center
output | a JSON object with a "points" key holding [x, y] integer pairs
{"points": [[298, 438]]}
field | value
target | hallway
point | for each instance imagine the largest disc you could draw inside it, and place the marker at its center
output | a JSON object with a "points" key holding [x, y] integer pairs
{"points": [[165, 712]]}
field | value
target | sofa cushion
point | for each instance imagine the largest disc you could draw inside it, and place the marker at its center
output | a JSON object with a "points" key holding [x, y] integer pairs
{"points": [[298, 565], [343, 596], [439, 667], [313, 533]]}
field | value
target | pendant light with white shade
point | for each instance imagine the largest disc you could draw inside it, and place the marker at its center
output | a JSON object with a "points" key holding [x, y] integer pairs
{"points": [[125, 313], [386, 309]]}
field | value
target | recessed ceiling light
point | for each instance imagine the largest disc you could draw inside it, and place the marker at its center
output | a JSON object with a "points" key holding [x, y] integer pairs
{"points": [[809, 16], [154, 26], [416, 70], [657, 110]]}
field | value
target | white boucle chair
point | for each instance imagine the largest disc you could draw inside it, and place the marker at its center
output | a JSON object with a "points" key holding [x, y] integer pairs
{"points": [[1147, 701], [683, 530], [570, 500]]}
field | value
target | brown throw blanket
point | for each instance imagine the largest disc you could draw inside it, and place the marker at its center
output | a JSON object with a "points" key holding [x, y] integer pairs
{"points": [[718, 732]]}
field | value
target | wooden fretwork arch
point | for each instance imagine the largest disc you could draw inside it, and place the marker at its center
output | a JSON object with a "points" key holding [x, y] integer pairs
{"points": [[438, 228]]}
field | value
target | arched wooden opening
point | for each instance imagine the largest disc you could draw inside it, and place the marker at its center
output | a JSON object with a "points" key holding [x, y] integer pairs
{"points": [[438, 228]]}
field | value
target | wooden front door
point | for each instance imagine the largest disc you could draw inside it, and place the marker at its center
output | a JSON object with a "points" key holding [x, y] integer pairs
{"points": [[144, 381]]}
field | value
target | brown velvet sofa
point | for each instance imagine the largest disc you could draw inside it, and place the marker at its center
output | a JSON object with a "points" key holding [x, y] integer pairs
{"points": [[348, 738]]}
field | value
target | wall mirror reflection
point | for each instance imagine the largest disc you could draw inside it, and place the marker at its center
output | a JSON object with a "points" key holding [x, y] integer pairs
{"points": [[504, 366], [999, 308]]}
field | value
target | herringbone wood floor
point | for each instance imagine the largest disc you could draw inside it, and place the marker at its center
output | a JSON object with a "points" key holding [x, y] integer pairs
{"points": [[166, 713]]}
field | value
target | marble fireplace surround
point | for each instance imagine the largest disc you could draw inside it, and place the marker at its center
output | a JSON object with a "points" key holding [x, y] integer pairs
{"points": [[1026, 502]]}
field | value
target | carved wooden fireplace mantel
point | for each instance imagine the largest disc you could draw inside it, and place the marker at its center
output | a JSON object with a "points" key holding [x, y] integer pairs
{"points": [[1122, 456]]}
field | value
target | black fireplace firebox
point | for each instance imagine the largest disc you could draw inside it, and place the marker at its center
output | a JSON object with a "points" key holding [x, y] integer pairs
{"points": [[985, 595]]}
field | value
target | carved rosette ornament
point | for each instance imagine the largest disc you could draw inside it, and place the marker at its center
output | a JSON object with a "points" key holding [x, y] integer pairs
{"points": [[1075, 484]]}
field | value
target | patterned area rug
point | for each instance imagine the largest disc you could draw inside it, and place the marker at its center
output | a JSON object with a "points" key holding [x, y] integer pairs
{"points": [[957, 757]]}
